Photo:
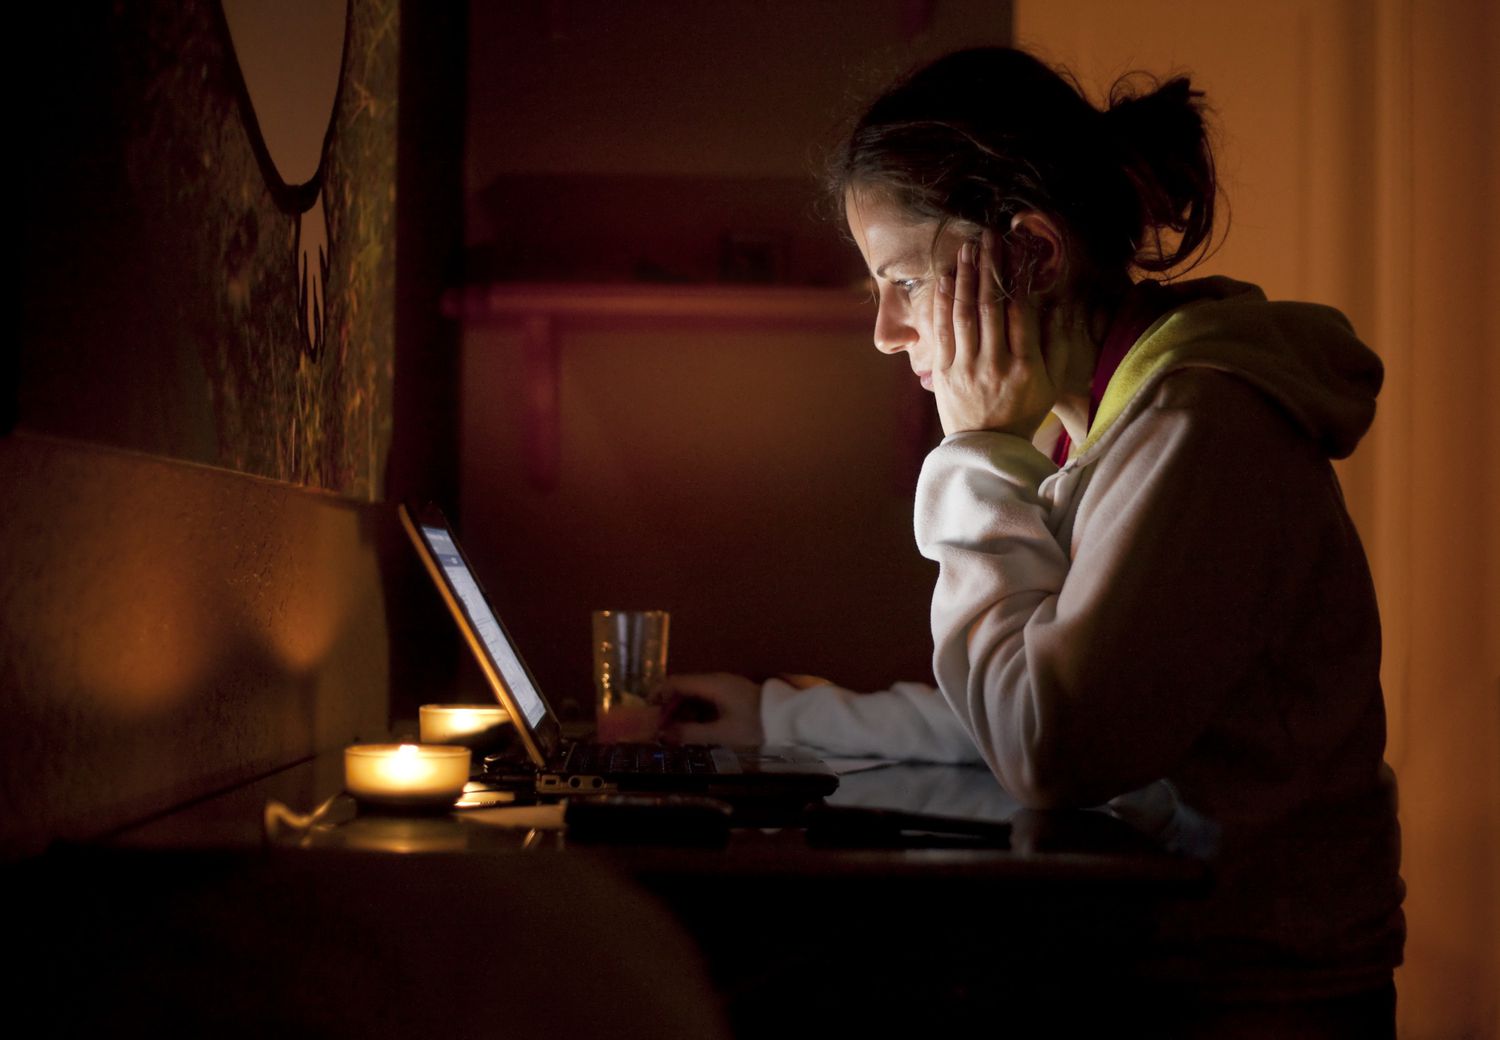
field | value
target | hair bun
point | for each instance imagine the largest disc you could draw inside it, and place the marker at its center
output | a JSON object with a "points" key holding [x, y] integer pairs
{"points": [[1162, 140], [982, 134], [1130, 106]]}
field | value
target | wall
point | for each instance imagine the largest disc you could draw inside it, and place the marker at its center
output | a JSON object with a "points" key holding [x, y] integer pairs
{"points": [[745, 88], [169, 628], [1358, 152], [166, 262], [752, 479]]}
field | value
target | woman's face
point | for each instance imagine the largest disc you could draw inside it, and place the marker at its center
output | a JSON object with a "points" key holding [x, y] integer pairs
{"points": [[905, 262]]}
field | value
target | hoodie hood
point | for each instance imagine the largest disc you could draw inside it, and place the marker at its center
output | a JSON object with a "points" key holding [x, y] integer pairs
{"points": [[1304, 356]]}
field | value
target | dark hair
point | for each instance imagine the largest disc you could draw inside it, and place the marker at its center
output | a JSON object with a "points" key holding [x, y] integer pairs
{"points": [[982, 134]]}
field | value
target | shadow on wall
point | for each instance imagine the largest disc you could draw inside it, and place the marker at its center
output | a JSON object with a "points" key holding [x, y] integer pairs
{"points": [[167, 630]]}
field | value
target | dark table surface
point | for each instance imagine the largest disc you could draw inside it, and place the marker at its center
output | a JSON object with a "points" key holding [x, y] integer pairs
{"points": [[873, 930], [1008, 841]]}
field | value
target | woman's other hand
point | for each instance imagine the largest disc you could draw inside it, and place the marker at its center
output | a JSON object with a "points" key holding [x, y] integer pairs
{"points": [[733, 701], [990, 370]]}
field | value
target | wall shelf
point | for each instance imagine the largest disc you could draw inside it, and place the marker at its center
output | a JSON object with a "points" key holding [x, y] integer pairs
{"points": [[539, 311], [747, 306]]}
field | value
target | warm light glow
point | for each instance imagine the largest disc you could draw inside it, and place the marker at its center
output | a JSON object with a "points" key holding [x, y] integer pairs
{"points": [[310, 571], [470, 725], [398, 834], [149, 643], [406, 774]]}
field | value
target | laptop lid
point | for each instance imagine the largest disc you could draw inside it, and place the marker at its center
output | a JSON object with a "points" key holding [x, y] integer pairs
{"points": [[509, 678], [768, 772]]}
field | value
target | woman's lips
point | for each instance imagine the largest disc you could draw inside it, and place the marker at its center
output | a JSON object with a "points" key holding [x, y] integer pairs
{"points": [[925, 378]]}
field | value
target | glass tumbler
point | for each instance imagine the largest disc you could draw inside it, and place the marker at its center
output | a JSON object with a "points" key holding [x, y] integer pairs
{"points": [[630, 661]]}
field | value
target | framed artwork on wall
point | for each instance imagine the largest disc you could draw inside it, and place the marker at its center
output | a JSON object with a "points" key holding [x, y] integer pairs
{"points": [[209, 242]]}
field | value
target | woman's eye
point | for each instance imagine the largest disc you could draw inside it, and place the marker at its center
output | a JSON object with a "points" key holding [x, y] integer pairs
{"points": [[907, 285]]}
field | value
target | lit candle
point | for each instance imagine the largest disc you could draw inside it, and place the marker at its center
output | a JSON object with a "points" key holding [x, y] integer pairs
{"points": [[471, 725], [406, 774]]}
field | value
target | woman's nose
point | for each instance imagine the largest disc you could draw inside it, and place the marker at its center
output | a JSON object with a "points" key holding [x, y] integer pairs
{"points": [[894, 331]]}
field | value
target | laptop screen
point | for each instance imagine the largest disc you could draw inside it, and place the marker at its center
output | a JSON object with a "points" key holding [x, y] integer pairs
{"points": [[486, 626]]}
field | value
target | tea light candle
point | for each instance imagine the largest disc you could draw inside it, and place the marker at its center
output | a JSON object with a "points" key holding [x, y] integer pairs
{"points": [[472, 725], [406, 774]]}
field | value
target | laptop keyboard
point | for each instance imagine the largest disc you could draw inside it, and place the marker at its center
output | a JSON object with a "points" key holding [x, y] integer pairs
{"points": [[637, 759]]}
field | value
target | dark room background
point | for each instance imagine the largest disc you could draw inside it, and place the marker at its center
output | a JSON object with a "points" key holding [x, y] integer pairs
{"points": [[583, 293], [750, 468]]}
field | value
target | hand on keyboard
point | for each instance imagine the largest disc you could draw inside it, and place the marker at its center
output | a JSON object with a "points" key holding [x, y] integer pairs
{"points": [[733, 700]]}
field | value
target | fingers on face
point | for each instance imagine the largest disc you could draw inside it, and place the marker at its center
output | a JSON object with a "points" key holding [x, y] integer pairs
{"points": [[942, 323], [991, 306], [969, 312], [964, 285], [955, 321]]}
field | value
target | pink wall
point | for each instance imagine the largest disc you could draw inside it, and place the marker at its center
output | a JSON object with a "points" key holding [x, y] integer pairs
{"points": [[744, 480], [751, 479]]}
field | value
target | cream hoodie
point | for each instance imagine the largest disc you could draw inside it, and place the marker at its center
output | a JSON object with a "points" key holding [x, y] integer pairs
{"points": [[1183, 611]]}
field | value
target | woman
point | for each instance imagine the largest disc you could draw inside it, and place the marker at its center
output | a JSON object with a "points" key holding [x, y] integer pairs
{"points": [[1150, 592]]}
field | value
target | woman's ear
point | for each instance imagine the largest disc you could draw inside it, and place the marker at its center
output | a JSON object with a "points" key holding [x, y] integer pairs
{"points": [[1036, 243]]}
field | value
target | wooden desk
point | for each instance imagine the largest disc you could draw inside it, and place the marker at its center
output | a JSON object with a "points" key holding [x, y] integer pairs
{"points": [[852, 939]]}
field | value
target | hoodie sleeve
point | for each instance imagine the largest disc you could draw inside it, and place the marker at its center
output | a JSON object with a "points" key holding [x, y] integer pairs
{"points": [[909, 722], [1085, 672]]}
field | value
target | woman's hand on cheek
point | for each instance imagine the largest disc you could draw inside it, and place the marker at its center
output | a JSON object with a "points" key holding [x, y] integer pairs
{"points": [[989, 371]]}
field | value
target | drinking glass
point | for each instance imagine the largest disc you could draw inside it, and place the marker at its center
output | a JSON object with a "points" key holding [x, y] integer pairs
{"points": [[630, 661]]}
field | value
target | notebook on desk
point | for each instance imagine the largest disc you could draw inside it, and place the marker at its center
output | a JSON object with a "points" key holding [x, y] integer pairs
{"points": [[564, 766]]}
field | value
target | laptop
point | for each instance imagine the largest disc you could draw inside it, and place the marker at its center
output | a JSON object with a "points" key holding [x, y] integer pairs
{"points": [[576, 767]]}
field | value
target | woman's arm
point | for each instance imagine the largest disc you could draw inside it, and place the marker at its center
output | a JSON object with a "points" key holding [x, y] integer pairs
{"points": [[1084, 677], [909, 722]]}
